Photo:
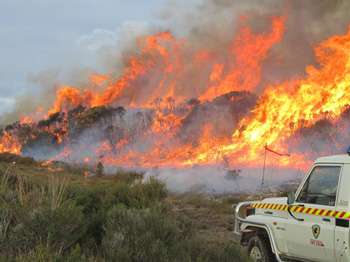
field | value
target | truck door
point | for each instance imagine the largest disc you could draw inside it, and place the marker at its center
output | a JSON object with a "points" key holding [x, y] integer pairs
{"points": [[311, 235], [341, 239]]}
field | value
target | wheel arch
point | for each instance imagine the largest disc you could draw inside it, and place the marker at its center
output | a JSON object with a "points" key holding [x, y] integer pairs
{"points": [[252, 229], [256, 230]]}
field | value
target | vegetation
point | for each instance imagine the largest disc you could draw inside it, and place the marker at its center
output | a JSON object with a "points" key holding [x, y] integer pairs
{"points": [[56, 214]]}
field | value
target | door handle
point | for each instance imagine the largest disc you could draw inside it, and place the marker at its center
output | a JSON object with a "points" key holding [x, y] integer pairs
{"points": [[326, 219], [268, 212]]}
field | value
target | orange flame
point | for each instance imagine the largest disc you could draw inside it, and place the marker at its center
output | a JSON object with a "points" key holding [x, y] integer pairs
{"points": [[160, 76], [9, 144], [248, 51], [285, 108], [165, 55]]}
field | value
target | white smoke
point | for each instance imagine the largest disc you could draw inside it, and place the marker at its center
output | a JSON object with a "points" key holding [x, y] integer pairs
{"points": [[217, 180]]}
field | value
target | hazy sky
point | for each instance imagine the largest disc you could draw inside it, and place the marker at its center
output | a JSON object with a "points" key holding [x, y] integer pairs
{"points": [[57, 35]]}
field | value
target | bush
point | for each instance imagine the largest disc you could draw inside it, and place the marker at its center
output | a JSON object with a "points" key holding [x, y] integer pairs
{"points": [[201, 251], [152, 235], [33, 215], [150, 192], [58, 229], [95, 202], [144, 235], [128, 177], [116, 221], [10, 158], [44, 254]]}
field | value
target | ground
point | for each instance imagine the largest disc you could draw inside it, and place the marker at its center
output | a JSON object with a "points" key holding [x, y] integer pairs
{"points": [[212, 216], [119, 217]]}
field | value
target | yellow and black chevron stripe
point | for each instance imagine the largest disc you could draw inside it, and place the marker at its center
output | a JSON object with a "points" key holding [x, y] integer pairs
{"points": [[304, 210]]}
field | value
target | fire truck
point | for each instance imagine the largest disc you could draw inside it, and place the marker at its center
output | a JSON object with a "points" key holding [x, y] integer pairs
{"points": [[311, 224]]}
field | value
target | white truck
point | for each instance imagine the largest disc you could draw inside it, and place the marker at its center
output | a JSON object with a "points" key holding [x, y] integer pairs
{"points": [[310, 225]]}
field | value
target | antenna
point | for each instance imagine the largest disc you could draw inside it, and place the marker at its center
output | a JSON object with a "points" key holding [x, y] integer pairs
{"points": [[264, 167], [266, 149]]}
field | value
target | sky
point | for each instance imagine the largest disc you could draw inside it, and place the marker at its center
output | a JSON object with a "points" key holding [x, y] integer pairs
{"points": [[46, 40], [56, 36]]}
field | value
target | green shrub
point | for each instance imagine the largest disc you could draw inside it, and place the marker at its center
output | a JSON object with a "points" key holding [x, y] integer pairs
{"points": [[13, 158], [144, 235], [201, 251], [58, 229], [128, 177], [96, 201], [33, 215], [149, 192], [42, 253], [92, 205], [152, 235], [116, 220]]}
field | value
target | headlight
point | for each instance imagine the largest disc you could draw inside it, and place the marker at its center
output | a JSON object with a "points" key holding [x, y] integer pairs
{"points": [[250, 211]]}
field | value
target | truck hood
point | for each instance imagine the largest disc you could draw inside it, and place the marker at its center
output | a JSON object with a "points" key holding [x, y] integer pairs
{"points": [[275, 200]]}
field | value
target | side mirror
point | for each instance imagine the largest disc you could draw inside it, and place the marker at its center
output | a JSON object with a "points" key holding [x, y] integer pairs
{"points": [[291, 198]]}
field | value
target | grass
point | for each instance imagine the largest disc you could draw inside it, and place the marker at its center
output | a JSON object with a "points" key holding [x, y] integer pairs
{"points": [[54, 213], [213, 216]]}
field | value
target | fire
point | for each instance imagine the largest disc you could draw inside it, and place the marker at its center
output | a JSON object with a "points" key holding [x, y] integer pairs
{"points": [[165, 72], [98, 79], [26, 120], [68, 97], [9, 144], [285, 108], [164, 56], [248, 51]]}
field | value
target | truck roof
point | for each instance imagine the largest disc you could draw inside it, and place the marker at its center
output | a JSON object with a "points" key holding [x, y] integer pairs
{"points": [[338, 159]]}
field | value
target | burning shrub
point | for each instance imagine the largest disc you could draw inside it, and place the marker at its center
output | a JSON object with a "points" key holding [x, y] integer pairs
{"points": [[91, 116]]}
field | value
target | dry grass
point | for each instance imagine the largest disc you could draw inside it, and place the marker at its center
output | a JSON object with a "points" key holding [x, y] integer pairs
{"points": [[56, 191], [212, 217]]}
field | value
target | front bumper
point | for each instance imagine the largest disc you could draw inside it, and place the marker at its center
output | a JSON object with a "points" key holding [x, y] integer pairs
{"points": [[237, 237]]}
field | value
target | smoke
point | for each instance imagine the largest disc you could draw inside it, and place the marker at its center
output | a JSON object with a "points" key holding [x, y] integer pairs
{"points": [[190, 36], [209, 25], [214, 22], [42, 95], [216, 179], [109, 48], [325, 137]]}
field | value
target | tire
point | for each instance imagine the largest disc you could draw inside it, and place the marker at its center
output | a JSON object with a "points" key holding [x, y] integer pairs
{"points": [[259, 250]]}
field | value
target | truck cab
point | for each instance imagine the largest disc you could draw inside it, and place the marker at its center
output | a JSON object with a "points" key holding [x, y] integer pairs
{"points": [[311, 224]]}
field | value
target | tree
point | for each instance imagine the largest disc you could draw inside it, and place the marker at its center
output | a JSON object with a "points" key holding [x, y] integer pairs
{"points": [[99, 169]]}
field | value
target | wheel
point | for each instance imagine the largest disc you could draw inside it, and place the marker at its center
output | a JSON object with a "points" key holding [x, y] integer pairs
{"points": [[259, 250]]}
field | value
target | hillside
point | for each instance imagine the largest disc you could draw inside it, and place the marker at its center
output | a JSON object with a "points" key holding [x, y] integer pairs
{"points": [[133, 137]]}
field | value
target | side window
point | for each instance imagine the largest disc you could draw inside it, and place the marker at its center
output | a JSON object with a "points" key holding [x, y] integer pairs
{"points": [[321, 186]]}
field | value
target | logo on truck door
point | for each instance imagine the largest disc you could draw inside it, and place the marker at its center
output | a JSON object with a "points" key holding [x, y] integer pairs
{"points": [[316, 230]]}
